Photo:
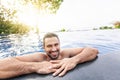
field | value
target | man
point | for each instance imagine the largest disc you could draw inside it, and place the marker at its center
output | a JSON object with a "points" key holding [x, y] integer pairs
{"points": [[54, 60]]}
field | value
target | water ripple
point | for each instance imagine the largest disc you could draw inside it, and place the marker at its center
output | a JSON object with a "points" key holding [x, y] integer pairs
{"points": [[106, 41]]}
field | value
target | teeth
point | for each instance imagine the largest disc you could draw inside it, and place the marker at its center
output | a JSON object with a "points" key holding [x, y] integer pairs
{"points": [[54, 51]]}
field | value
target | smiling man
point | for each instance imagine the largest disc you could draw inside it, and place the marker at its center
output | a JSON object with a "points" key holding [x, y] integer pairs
{"points": [[54, 60]]}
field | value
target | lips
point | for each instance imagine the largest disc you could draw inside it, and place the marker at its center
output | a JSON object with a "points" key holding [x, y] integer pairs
{"points": [[54, 53]]}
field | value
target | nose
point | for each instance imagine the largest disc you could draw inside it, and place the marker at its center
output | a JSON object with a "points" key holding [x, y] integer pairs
{"points": [[54, 48]]}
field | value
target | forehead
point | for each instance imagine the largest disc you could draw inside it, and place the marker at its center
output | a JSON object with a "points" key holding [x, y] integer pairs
{"points": [[51, 40]]}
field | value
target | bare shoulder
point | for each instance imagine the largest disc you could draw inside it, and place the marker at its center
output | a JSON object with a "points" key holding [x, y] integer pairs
{"points": [[40, 56], [71, 51], [32, 57], [77, 50], [74, 51]]}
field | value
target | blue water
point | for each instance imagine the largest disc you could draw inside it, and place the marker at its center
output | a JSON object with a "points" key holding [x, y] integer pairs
{"points": [[106, 41]]}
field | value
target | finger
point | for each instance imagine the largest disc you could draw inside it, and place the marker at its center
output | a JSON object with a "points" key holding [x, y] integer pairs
{"points": [[63, 72], [53, 70], [56, 66], [58, 71], [55, 61], [50, 67]]}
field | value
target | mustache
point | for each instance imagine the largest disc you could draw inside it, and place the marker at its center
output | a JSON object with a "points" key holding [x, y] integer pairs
{"points": [[55, 51]]}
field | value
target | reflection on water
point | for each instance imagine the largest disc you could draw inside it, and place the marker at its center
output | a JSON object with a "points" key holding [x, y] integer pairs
{"points": [[107, 41], [15, 45]]}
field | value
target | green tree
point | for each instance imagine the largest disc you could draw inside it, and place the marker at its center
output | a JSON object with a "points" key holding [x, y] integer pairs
{"points": [[62, 30], [46, 6], [50, 6], [7, 15], [117, 24]]}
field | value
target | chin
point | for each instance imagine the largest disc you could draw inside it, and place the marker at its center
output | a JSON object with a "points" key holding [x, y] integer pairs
{"points": [[54, 58]]}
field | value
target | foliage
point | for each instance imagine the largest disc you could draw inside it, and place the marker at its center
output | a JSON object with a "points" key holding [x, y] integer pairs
{"points": [[117, 24], [105, 27], [19, 28], [62, 30], [7, 27], [7, 15], [50, 6], [6, 24]]}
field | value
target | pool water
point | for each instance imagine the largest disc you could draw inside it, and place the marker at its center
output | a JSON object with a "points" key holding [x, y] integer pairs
{"points": [[106, 41]]}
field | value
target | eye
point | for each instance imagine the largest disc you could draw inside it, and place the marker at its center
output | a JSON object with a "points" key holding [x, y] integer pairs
{"points": [[49, 46], [56, 44]]}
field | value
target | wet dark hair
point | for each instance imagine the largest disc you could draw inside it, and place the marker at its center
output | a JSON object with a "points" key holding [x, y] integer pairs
{"points": [[49, 35]]}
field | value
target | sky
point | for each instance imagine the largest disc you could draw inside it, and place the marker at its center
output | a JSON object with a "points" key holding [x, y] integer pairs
{"points": [[72, 15], [82, 14]]}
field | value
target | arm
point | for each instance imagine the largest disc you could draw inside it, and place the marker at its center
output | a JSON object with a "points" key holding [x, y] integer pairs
{"points": [[84, 54], [35, 57], [11, 67], [15, 66], [77, 55]]}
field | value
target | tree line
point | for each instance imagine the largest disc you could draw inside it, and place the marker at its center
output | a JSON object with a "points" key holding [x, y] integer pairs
{"points": [[7, 15]]}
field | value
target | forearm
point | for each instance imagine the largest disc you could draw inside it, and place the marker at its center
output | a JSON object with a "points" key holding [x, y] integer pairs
{"points": [[86, 55], [11, 67]]}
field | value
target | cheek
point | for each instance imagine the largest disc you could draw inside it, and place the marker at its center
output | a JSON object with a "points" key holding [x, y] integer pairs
{"points": [[58, 48], [46, 48]]}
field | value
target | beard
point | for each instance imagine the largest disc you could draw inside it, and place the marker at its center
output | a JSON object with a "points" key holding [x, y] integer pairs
{"points": [[53, 57]]}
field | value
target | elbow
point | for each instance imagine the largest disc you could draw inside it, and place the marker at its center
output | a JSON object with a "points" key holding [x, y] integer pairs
{"points": [[94, 52]]}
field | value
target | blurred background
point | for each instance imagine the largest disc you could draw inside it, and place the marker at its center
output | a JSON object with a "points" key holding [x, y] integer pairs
{"points": [[79, 23]]}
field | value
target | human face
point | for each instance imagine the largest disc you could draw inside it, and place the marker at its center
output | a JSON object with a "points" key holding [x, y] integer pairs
{"points": [[52, 47]]}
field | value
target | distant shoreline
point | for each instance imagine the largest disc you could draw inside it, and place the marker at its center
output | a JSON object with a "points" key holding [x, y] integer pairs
{"points": [[70, 30]]}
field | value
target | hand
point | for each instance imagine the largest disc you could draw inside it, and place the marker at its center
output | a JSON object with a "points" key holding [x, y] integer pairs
{"points": [[63, 66], [44, 68]]}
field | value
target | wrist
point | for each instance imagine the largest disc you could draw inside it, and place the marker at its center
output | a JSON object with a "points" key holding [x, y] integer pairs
{"points": [[31, 67], [76, 60]]}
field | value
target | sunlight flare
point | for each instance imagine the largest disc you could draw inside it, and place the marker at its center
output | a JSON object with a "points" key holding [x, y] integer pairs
{"points": [[28, 14]]}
